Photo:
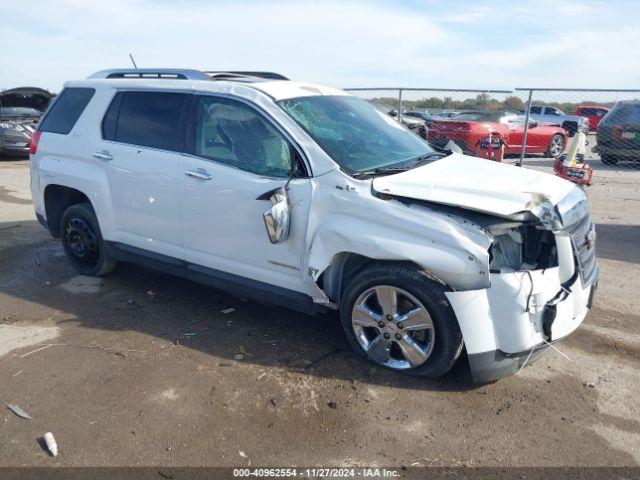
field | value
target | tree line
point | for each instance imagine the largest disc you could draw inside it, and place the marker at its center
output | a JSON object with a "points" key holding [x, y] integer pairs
{"points": [[482, 101]]}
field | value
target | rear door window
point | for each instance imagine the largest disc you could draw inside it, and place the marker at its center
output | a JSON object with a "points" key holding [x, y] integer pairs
{"points": [[147, 119], [66, 109]]}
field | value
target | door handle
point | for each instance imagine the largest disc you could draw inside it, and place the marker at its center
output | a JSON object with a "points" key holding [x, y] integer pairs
{"points": [[103, 155], [199, 173]]}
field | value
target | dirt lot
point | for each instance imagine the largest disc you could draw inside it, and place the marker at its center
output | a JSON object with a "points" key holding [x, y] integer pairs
{"points": [[146, 369]]}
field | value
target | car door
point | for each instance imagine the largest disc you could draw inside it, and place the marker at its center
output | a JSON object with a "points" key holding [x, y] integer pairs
{"points": [[141, 144], [552, 116], [237, 155], [516, 134]]}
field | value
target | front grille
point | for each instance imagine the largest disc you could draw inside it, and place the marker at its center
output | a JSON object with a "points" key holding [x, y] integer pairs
{"points": [[585, 256]]}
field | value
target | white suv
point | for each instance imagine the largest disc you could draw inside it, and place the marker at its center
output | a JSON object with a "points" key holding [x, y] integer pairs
{"points": [[306, 196]]}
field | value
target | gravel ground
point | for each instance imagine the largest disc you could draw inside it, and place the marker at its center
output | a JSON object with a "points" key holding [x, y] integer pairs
{"points": [[147, 369]]}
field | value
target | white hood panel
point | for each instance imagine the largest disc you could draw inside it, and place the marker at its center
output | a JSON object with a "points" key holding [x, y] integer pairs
{"points": [[476, 184]]}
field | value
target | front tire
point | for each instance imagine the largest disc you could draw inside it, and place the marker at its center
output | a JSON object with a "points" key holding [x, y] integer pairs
{"points": [[608, 159], [556, 146], [399, 318], [82, 241]]}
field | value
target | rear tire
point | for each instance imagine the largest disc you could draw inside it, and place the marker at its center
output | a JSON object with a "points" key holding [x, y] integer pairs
{"points": [[417, 333], [556, 146], [82, 241], [608, 159]]}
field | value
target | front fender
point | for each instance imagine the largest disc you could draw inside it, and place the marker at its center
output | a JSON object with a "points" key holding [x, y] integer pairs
{"points": [[458, 267]]}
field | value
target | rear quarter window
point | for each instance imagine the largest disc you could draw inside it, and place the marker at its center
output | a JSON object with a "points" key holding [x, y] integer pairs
{"points": [[66, 109]]}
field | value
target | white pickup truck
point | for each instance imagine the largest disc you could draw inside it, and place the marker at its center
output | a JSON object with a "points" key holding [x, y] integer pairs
{"points": [[548, 115], [308, 197]]}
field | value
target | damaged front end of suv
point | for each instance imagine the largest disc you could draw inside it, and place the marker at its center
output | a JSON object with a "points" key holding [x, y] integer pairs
{"points": [[535, 264], [543, 276]]}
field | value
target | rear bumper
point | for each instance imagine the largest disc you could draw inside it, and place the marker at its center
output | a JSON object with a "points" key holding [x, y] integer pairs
{"points": [[12, 149], [620, 151]]}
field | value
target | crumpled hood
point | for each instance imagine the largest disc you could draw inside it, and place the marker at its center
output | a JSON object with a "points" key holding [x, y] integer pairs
{"points": [[477, 184]]}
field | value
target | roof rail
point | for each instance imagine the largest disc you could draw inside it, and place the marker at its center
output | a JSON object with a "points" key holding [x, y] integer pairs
{"points": [[183, 74], [238, 74], [162, 73]]}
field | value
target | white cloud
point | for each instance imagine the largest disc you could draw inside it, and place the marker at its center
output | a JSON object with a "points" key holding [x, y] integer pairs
{"points": [[470, 15]]}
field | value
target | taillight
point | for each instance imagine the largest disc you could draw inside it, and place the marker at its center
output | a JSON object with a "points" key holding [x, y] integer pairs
{"points": [[33, 145], [617, 132]]}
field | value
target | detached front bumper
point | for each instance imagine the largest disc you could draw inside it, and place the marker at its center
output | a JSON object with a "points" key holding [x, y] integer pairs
{"points": [[514, 321]]}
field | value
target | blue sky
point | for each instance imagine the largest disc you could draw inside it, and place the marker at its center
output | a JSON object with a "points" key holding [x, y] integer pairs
{"points": [[414, 43]]}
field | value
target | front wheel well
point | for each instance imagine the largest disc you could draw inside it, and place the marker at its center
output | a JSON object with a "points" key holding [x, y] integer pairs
{"points": [[346, 265], [57, 198]]}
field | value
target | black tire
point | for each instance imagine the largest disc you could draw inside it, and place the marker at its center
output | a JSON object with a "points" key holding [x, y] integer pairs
{"points": [[555, 150], [570, 127], [82, 241], [447, 338], [608, 159]]}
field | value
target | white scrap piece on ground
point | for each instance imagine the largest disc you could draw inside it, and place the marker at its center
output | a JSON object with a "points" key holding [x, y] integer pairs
{"points": [[51, 443], [18, 411]]}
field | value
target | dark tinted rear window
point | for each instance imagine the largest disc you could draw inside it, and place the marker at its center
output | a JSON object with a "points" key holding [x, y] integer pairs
{"points": [[625, 112], [148, 119], [66, 109]]}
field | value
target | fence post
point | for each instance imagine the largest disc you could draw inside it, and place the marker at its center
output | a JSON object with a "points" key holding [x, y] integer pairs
{"points": [[526, 129], [399, 116]]}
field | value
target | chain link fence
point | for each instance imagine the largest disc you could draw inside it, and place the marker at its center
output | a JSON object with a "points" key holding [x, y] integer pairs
{"points": [[524, 126]]}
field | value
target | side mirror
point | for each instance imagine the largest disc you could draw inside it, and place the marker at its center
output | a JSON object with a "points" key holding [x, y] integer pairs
{"points": [[278, 218], [533, 124]]}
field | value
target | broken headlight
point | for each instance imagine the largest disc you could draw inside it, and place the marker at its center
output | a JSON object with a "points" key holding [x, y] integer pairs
{"points": [[523, 247], [573, 208]]}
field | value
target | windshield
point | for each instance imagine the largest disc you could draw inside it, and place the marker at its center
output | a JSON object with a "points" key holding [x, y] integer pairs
{"points": [[353, 133]]}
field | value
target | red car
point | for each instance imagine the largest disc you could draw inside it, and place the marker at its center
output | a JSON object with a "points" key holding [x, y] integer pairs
{"points": [[593, 114], [469, 129]]}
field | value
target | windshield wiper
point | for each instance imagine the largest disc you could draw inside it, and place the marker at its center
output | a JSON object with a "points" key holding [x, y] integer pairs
{"points": [[399, 168]]}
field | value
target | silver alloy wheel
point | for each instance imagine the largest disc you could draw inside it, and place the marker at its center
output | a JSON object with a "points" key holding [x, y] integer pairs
{"points": [[393, 327], [556, 147]]}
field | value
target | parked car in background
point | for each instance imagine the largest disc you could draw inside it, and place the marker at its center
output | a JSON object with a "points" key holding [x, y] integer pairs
{"points": [[447, 114], [468, 129], [593, 114], [548, 115], [17, 124], [307, 197], [422, 115], [20, 112], [416, 124], [619, 133], [30, 97]]}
